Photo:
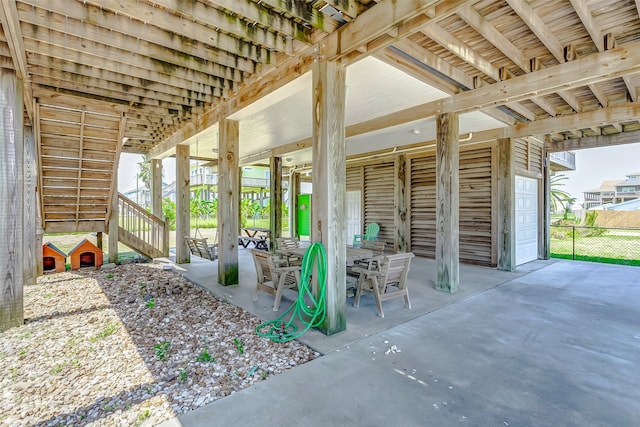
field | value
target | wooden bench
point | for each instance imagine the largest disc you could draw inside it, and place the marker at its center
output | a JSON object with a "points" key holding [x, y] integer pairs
{"points": [[258, 242], [199, 247]]}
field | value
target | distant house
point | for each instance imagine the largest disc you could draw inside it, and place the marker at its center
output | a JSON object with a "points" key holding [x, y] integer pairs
{"points": [[613, 191], [142, 195], [255, 183], [628, 189], [603, 195]]}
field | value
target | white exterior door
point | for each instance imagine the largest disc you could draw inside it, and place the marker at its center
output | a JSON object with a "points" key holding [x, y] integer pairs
{"points": [[526, 219], [354, 214]]}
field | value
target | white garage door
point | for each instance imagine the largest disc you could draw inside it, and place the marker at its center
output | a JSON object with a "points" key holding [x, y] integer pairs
{"points": [[526, 219]]}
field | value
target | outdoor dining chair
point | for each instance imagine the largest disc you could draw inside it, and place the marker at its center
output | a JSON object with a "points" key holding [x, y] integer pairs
{"points": [[385, 281]]}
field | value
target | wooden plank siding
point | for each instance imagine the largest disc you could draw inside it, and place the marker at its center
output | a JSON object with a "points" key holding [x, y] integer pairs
{"points": [[528, 158], [354, 178], [379, 203], [477, 198], [423, 206]]}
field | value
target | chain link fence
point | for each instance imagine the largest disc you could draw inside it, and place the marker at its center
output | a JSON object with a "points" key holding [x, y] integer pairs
{"points": [[612, 245]]}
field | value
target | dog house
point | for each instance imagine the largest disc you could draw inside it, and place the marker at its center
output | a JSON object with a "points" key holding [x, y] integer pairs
{"points": [[53, 259], [86, 254]]}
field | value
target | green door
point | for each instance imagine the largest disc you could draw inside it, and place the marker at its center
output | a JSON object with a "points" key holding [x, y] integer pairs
{"points": [[304, 214]]}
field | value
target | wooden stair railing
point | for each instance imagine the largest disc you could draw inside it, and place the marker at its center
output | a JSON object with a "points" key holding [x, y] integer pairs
{"points": [[141, 230]]}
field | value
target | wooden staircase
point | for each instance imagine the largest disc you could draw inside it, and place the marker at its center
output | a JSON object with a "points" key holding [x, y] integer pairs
{"points": [[78, 154], [141, 230]]}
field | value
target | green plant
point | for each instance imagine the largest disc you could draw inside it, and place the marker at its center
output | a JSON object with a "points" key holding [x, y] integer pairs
{"points": [[264, 375], [183, 373], [13, 373], [162, 349], [143, 415], [109, 329], [204, 356], [151, 303], [239, 345], [558, 196], [169, 210], [109, 275], [57, 368]]}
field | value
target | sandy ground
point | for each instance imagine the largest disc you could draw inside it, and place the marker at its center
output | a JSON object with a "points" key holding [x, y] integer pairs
{"points": [[130, 345]]}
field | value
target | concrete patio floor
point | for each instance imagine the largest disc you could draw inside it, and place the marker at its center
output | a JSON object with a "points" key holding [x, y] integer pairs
{"points": [[554, 343]]}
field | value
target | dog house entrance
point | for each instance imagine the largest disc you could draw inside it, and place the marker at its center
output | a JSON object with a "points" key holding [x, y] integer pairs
{"points": [[87, 259], [48, 263]]}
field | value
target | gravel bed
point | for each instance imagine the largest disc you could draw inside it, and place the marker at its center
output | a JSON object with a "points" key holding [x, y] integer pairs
{"points": [[134, 345]]}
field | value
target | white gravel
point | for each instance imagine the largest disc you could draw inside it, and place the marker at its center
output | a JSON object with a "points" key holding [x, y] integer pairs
{"points": [[93, 350]]}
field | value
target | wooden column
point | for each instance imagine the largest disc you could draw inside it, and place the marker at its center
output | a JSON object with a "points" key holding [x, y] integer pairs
{"points": [[506, 205], [183, 196], [39, 240], [294, 190], [228, 202], [30, 208], [275, 199], [401, 220], [99, 242], [545, 246], [113, 223], [156, 187], [447, 203], [12, 201], [329, 183]]}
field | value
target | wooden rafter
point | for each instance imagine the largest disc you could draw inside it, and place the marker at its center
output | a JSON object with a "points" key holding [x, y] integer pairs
{"points": [[237, 27], [258, 15], [589, 23], [529, 16], [304, 11], [119, 27], [141, 13]]}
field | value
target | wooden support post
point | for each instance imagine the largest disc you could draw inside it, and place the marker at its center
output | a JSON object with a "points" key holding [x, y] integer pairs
{"points": [[39, 242], [506, 205], [401, 203], [329, 178], [228, 202], [113, 223], [294, 190], [30, 208], [275, 200], [99, 242], [447, 203], [12, 205], [183, 205], [545, 249], [156, 187]]}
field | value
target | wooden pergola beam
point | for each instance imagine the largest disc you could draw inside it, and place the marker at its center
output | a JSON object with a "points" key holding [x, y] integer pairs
{"points": [[593, 141]]}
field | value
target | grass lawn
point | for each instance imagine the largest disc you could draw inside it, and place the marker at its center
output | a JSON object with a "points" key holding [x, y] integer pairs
{"points": [[606, 248]]}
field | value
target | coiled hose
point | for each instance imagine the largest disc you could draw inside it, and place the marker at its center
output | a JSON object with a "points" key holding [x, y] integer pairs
{"points": [[310, 316]]}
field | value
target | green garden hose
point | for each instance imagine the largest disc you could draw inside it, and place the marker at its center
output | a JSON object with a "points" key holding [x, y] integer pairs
{"points": [[311, 315]]}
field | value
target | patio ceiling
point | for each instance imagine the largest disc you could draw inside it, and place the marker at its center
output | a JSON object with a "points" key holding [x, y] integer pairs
{"points": [[559, 70]]}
